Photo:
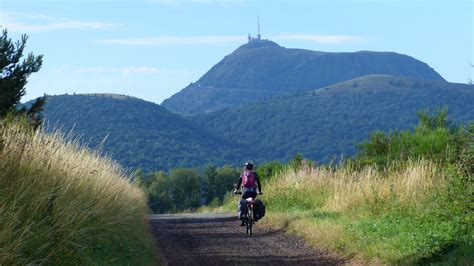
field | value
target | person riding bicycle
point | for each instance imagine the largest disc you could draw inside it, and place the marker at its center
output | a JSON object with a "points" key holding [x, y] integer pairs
{"points": [[249, 183]]}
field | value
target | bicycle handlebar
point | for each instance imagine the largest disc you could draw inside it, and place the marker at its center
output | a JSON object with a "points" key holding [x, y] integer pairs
{"points": [[240, 193]]}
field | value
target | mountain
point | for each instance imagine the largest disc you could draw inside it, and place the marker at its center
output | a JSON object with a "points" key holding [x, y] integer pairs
{"points": [[136, 133], [319, 123], [260, 70], [329, 121]]}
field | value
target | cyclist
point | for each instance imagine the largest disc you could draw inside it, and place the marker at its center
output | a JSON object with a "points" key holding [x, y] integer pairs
{"points": [[249, 182]]}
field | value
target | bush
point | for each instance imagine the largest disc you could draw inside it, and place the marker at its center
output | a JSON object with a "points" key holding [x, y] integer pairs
{"points": [[435, 138]]}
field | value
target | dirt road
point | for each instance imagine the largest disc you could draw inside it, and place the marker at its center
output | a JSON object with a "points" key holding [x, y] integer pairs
{"points": [[218, 239]]}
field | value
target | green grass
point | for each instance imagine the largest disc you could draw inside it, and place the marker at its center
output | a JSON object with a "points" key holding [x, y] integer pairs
{"points": [[63, 204]]}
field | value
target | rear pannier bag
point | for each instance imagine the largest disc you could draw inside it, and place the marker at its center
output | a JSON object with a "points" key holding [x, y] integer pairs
{"points": [[258, 210]]}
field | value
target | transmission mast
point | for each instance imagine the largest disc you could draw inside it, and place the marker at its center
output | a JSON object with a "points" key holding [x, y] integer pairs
{"points": [[258, 26]]}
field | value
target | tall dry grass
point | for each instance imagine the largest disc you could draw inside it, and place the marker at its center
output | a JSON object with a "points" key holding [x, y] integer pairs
{"points": [[62, 203], [345, 188]]}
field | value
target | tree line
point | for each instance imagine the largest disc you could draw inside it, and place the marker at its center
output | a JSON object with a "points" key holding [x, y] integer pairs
{"points": [[189, 188]]}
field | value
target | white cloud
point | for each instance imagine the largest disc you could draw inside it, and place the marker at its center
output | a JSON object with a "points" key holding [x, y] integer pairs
{"points": [[173, 40], [28, 23], [319, 38]]}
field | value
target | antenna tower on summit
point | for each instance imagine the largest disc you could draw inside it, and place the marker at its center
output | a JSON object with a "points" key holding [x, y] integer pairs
{"points": [[259, 37]]}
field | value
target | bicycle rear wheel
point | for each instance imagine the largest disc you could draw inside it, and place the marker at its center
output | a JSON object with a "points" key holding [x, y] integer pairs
{"points": [[249, 222]]}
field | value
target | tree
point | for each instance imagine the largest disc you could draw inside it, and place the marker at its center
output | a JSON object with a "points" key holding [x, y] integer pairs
{"points": [[269, 169], [13, 78], [159, 193], [185, 189], [226, 176], [210, 173]]}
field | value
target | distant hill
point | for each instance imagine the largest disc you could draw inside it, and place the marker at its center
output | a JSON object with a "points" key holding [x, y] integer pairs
{"points": [[139, 134], [258, 71], [329, 121], [319, 123]]}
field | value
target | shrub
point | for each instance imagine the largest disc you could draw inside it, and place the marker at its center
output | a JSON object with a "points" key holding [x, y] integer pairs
{"points": [[435, 138]]}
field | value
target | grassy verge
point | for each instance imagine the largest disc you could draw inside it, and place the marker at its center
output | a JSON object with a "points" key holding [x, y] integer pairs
{"points": [[408, 213], [63, 204]]}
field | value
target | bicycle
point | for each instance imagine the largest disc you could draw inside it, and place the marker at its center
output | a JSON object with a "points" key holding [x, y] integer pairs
{"points": [[248, 216]]}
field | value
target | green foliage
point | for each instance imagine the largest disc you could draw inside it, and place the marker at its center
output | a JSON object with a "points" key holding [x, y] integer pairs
{"points": [[159, 193], [322, 125], [268, 170], [297, 161], [187, 188], [210, 176], [225, 177], [136, 133], [13, 78], [327, 123], [435, 138], [465, 161]]}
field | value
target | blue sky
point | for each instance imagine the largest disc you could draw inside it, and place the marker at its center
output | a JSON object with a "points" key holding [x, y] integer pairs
{"points": [[152, 49]]}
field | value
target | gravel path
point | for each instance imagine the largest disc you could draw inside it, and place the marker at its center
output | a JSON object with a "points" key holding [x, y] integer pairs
{"points": [[218, 239]]}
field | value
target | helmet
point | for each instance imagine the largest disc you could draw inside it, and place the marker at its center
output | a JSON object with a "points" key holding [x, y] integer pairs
{"points": [[248, 165]]}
